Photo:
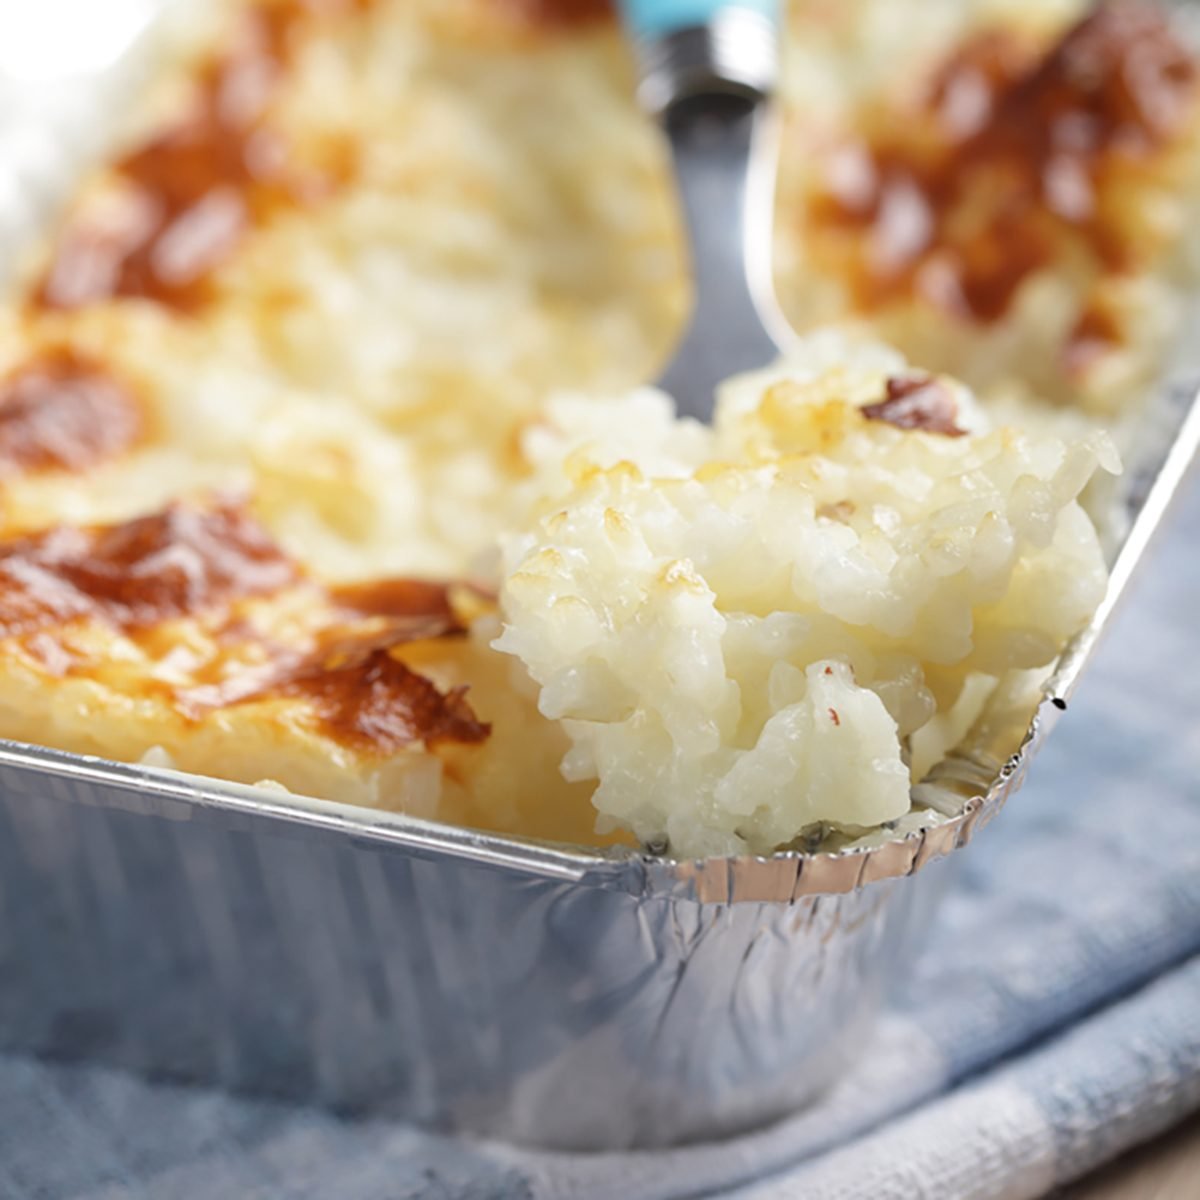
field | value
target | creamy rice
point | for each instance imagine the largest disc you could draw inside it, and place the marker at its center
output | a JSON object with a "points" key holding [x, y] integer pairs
{"points": [[739, 648], [436, 341]]}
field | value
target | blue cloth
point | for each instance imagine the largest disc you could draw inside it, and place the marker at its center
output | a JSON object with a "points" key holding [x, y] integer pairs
{"points": [[1054, 1021]]}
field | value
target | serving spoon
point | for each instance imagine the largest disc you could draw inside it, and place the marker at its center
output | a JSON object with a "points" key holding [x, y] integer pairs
{"points": [[708, 70]]}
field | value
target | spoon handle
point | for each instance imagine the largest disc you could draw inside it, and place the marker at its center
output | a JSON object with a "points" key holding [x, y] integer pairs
{"points": [[687, 47], [653, 18]]}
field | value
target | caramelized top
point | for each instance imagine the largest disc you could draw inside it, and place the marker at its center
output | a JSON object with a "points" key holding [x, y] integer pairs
{"points": [[403, 610], [961, 205], [194, 188], [175, 563], [1096, 331], [185, 562], [395, 598], [372, 701], [560, 13], [359, 692], [60, 411], [917, 402]]}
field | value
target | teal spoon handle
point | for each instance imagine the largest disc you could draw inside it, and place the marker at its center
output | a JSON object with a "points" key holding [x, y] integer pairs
{"points": [[653, 18], [690, 47]]}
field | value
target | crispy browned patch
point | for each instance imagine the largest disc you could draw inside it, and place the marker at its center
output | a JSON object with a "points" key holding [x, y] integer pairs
{"points": [[62, 411], [187, 562], [176, 563], [395, 598], [558, 13], [366, 697], [195, 188], [1009, 156], [917, 402], [1094, 334], [359, 693]]}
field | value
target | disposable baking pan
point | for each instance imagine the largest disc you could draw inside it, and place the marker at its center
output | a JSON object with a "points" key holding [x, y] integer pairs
{"points": [[197, 930], [194, 929]]}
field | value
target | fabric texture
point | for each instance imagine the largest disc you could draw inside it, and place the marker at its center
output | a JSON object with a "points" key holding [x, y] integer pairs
{"points": [[1053, 1023]]}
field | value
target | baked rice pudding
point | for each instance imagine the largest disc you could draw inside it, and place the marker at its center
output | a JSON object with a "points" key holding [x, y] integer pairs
{"points": [[327, 460]]}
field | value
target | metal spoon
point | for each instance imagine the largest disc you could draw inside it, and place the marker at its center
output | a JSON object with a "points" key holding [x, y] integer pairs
{"points": [[708, 69]]}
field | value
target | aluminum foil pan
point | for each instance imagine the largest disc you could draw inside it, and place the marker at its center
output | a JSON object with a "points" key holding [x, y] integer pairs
{"points": [[197, 930], [183, 938]]}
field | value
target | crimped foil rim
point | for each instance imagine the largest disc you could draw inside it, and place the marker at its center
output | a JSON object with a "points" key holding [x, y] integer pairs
{"points": [[787, 876], [779, 878]]}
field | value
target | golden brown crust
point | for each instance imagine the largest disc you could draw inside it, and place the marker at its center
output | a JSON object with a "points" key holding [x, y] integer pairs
{"points": [[63, 411], [201, 566], [1011, 159], [917, 402], [374, 702], [559, 13], [189, 193], [175, 563]]}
